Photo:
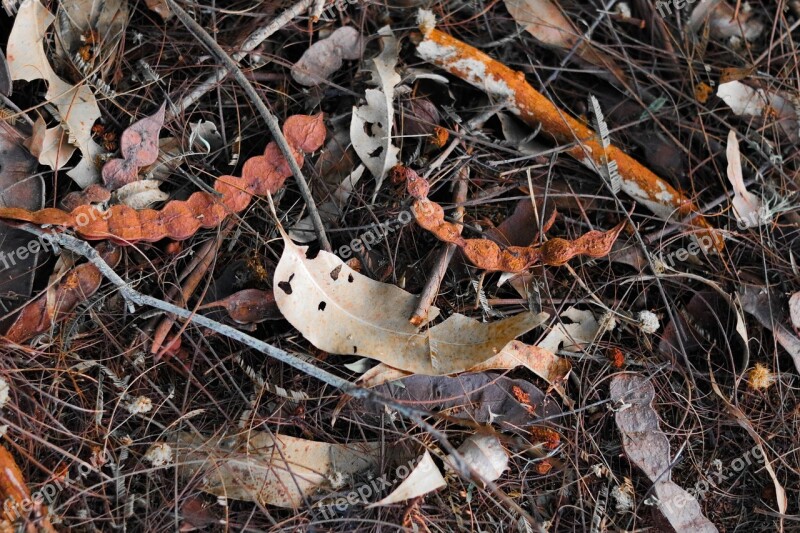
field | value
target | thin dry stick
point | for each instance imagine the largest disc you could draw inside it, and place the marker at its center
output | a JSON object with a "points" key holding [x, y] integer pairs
{"points": [[445, 254], [134, 297], [192, 275], [250, 44], [272, 122]]}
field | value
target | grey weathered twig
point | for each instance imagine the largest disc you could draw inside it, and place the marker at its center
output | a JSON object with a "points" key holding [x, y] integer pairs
{"points": [[272, 122]]}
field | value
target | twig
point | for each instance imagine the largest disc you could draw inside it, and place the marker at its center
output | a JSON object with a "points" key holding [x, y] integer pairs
{"points": [[417, 416], [272, 122], [250, 44]]}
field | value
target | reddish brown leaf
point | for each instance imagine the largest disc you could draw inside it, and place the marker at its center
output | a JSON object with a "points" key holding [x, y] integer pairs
{"points": [[179, 220], [249, 306], [139, 148], [75, 287], [92, 194]]}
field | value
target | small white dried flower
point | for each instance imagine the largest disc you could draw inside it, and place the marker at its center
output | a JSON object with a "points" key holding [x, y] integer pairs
{"points": [[623, 496], [4, 389], [159, 454], [337, 480], [607, 322], [648, 321], [142, 404]]}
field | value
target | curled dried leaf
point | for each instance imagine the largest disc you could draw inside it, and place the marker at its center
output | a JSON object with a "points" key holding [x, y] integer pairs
{"points": [[180, 220], [139, 148]]}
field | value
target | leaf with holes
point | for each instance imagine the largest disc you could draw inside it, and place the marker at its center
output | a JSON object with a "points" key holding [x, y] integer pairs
{"points": [[341, 311]]}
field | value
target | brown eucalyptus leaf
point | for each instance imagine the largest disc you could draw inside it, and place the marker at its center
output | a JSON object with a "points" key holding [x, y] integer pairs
{"points": [[648, 448], [269, 468], [325, 57], [341, 311], [20, 186]]}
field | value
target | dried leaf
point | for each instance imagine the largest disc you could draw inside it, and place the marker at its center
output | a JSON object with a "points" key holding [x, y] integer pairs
{"points": [[371, 125], [160, 7], [764, 305], [249, 306], [501, 82], [77, 106], [138, 147], [20, 185], [170, 157], [50, 307], [538, 359], [180, 220], [483, 398], [205, 137], [747, 207], [425, 478], [544, 20], [769, 107], [487, 254], [648, 448], [93, 194], [141, 194], [583, 330], [50, 145], [724, 20], [95, 27], [341, 311], [269, 468], [485, 454], [325, 57]]}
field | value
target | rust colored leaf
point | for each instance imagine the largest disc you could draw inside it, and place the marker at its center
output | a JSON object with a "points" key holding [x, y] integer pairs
{"points": [[139, 148], [16, 497], [489, 255], [249, 306], [73, 288], [180, 219], [92, 194]]}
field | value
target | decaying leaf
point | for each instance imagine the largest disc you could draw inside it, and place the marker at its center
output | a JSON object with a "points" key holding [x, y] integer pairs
{"points": [[76, 104], [170, 156], [648, 448], [724, 20], [20, 185], [487, 254], [160, 7], [503, 83], [205, 137], [141, 194], [249, 306], [325, 57], [544, 20], [53, 306], [93, 194], [341, 311], [765, 306], [50, 145], [371, 125], [486, 455], [748, 208], [92, 29], [582, 330], [771, 107], [138, 147], [180, 220], [425, 478], [20, 511], [269, 468], [482, 398]]}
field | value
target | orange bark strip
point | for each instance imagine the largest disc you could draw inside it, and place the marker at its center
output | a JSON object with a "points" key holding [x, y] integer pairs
{"points": [[178, 219], [17, 501], [496, 79]]}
